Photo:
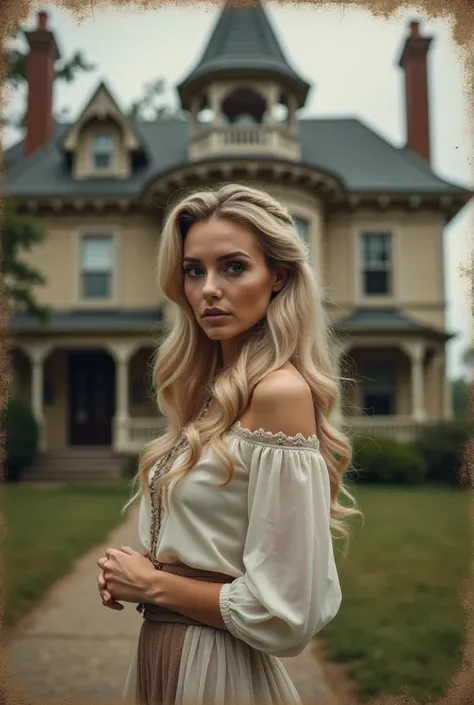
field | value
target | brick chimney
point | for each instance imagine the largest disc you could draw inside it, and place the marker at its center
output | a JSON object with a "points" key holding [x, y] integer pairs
{"points": [[413, 61], [40, 79]]}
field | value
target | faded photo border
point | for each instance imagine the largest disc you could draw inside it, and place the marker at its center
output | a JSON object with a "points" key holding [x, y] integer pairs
{"points": [[459, 15]]}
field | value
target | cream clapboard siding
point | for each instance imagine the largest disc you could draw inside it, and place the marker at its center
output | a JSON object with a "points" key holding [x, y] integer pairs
{"points": [[418, 263], [333, 245], [58, 258]]}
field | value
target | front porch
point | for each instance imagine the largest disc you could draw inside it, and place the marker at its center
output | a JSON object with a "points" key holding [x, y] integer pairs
{"points": [[99, 394], [395, 387], [89, 394]]}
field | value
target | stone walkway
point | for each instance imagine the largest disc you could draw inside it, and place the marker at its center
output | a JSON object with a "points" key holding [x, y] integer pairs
{"points": [[71, 644]]}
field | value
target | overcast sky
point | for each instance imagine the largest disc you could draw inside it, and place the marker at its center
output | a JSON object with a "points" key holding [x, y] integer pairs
{"points": [[349, 56]]}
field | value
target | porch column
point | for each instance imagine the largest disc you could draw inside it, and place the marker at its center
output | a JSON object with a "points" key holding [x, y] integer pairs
{"points": [[271, 99], [292, 112], [121, 352], [215, 104], [37, 355], [416, 350]]}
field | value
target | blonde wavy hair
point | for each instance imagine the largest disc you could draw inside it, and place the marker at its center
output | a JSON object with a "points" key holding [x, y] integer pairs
{"points": [[188, 367]]}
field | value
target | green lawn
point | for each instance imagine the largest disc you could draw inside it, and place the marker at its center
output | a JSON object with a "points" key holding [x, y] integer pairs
{"points": [[401, 622], [46, 530]]}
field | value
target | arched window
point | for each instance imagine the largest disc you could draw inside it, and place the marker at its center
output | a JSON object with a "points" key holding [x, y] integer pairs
{"points": [[244, 106], [302, 228]]}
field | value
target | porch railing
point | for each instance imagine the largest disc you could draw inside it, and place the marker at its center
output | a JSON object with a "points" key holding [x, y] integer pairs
{"points": [[400, 428], [139, 431]]}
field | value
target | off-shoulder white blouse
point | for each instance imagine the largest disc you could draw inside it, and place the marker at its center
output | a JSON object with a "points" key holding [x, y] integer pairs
{"points": [[269, 527]]}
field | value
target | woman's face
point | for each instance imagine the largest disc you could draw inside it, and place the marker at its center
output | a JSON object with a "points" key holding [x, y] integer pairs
{"points": [[224, 268]]}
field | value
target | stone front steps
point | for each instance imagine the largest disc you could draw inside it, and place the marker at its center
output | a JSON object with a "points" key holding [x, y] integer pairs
{"points": [[78, 464]]}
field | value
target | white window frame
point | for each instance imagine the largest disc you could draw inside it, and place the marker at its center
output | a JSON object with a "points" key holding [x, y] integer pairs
{"points": [[112, 153], [375, 266], [113, 299], [305, 238], [376, 228]]}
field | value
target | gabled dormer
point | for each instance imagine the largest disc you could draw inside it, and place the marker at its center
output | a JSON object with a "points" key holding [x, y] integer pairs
{"points": [[243, 94], [103, 143]]}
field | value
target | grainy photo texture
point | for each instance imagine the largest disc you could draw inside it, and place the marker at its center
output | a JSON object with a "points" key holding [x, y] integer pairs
{"points": [[357, 117]]}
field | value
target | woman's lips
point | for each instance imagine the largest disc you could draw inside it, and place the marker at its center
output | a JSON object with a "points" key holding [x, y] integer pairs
{"points": [[216, 317]]}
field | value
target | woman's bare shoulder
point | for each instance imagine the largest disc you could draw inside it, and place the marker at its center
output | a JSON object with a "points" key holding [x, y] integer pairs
{"points": [[282, 402]]}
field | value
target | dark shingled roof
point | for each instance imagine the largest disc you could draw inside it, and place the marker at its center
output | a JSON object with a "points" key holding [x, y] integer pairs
{"points": [[345, 148], [89, 320], [365, 161], [243, 38], [380, 318]]}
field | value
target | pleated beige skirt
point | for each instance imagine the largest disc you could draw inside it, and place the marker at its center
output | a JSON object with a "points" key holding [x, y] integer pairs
{"points": [[181, 662]]}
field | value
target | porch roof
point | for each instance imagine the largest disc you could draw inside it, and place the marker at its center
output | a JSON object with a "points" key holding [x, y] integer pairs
{"points": [[385, 319], [89, 320]]}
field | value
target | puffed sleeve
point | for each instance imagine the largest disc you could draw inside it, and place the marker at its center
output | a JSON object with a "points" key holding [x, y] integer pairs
{"points": [[290, 588]]}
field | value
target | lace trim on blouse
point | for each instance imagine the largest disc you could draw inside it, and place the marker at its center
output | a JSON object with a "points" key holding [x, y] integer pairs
{"points": [[280, 439]]}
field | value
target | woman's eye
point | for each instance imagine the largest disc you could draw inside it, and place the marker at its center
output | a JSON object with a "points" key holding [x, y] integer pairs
{"points": [[236, 264], [189, 270], [240, 269]]}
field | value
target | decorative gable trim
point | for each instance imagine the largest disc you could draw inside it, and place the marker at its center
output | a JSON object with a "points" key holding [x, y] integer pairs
{"points": [[103, 143], [102, 107]]}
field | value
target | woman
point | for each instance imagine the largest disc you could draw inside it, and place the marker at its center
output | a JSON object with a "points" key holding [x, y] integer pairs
{"points": [[249, 471]]}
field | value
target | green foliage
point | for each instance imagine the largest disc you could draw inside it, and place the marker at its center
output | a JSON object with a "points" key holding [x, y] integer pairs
{"points": [[442, 447], [66, 69], [402, 622], [460, 394], [48, 528], [19, 233], [21, 438], [130, 466], [150, 105], [386, 460], [16, 62], [468, 355]]}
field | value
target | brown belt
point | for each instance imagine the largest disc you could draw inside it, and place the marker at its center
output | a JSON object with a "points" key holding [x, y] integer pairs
{"points": [[156, 613]]}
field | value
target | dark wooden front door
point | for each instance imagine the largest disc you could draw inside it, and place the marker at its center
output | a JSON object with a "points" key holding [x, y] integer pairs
{"points": [[92, 398]]}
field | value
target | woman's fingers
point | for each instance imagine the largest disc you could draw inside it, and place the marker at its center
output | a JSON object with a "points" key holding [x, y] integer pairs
{"points": [[127, 549], [108, 600], [112, 604], [101, 562], [102, 585], [106, 597]]}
